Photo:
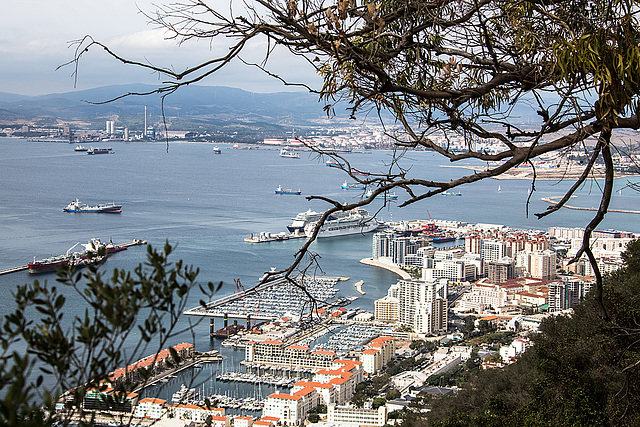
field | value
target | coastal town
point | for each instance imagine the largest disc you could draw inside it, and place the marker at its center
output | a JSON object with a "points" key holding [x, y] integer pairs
{"points": [[467, 294]]}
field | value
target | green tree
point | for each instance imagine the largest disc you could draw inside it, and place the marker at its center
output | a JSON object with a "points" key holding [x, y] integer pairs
{"points": [[393, 394], [469, 326], [127, 316], [313, 417], [378, 402]]}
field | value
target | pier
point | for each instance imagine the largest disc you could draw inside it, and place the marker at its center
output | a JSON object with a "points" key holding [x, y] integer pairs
{"points": [[552, 200], [13, 270]]}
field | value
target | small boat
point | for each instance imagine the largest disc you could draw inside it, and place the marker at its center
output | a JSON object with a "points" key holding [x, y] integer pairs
{"points": [[183, 394], [443, 239], [384, 196], [289, 154], [217, 150], [281, 190], [451, 193], [333, 163], [80, 148], [352, 186], [93, 150], [77, 206], [358, 172]]}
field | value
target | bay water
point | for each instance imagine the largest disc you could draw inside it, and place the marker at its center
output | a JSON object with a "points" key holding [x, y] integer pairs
{"points": [[207, 203]]}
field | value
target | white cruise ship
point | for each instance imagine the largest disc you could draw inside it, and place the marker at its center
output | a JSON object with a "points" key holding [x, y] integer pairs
{"points": [[356, 221], [304, 218]]}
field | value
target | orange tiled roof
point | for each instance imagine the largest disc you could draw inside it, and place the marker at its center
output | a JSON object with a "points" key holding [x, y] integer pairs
{"points": [[284, 396]]}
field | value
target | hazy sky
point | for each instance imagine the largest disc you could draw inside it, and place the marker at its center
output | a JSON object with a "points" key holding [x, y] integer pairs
{"points": [[35, 36]]}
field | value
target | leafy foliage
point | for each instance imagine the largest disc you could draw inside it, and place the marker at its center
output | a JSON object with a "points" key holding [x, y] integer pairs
{"points": [[49, 352]]}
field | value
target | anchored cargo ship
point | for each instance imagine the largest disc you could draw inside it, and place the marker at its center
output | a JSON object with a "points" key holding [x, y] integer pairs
{"points": [[93, 150], [352, 186], [77, 206], [77, 259], [385, 196], [281, 190]]}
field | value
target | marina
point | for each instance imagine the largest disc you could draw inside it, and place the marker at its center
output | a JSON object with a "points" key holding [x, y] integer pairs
{"points": [[271, 300]]}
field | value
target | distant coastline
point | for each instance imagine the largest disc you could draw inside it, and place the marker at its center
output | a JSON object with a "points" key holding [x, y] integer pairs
{"points": [[558, 174]]}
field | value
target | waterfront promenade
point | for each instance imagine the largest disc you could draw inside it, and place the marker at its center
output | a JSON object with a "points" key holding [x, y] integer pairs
{"points": [[400, 272]]}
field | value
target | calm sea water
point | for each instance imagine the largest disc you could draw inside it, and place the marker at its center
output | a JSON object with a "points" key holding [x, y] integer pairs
{"points": [[207, 204]]}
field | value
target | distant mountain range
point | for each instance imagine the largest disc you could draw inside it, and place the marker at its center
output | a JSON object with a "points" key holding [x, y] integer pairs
{"points": [[196, 102], [190, 106]]}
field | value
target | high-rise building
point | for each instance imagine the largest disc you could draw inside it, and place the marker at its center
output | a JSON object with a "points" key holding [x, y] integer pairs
{"points": [[493, 250], [423, 305], [380, 245], [386, 309], [110, 127], [501, 270]]}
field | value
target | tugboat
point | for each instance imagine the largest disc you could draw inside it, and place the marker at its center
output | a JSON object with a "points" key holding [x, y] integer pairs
{"points": [[77, 206], [217, 150]]}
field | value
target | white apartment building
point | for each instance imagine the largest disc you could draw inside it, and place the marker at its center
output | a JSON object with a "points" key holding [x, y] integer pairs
{"points": [[454, 270], [377, 354], [566, 234], [274, 352], [243, 421], [483, 296], [423, 305], [150, 407], [291, 408], [386, 309], [540, 265], [516, 348], [198, 414], [351, 416]]}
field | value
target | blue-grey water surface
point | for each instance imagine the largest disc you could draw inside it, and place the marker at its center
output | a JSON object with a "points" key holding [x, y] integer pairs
{"points": [[207, 204]]}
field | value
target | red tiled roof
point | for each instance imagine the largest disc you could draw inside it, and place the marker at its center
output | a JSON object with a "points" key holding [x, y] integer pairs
{"points": [[297, 347], [284, 396], [304, 391]]}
